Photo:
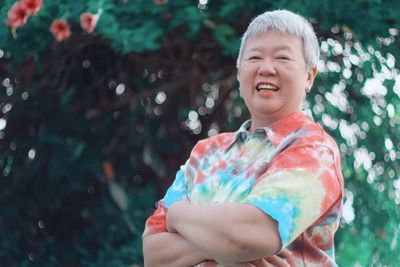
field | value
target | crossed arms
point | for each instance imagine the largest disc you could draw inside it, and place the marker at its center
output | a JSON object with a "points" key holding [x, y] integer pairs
{"points": [[230, 233]]}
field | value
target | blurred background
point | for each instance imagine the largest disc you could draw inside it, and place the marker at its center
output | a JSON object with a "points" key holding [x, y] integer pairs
{"points": [[102, 101]]}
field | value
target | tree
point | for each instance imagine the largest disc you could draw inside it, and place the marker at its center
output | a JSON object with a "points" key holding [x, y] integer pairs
{"points": [[98, 114]]}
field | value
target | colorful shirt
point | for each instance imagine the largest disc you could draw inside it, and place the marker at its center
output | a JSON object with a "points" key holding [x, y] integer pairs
{"points": [[289, 170]]}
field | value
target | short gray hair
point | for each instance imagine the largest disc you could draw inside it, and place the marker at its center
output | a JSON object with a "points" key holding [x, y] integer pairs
{"points": [[287, 22]]}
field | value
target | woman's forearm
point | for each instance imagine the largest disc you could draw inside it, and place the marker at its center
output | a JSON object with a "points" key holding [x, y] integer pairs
{"points": [[228, 232], [170, 250]]}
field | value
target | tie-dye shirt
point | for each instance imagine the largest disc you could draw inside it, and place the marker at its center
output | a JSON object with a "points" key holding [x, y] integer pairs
{"points": [[289, 170]]}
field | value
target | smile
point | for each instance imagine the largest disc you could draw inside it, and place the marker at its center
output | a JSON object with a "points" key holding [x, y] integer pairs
{"points": [[267, 87]]}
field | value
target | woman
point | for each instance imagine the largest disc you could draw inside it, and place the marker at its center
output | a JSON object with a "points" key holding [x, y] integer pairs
{"points": [[271, 192]]}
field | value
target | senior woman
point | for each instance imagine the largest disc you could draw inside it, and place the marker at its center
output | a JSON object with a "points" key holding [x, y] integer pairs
{"points": [[269, 194]]}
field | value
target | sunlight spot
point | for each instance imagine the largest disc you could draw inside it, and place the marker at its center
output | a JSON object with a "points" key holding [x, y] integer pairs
{"points": [[390, 110], [41, 224], [374, 87], [396, 183], [391, 60], [396, 87], [347, 131], [324, 46], [348, 214], [365, 126], [347, 73], [86, 64], [6, 82], [393, 31], [237, 111], [193, 115], [362, 158], [337, 48], [161, 97], [7, 107], [24, 96], [152, 77], [354, 60], [120, 89], [214, 129], [9, 91], [392, 155], [160, 74], [195, 126], [3, 124], [112, 84], [32, 154], [329, 122], [321, 66], [333, 66], [202, 111], [157, 111], [377, 120], [209, 102]]}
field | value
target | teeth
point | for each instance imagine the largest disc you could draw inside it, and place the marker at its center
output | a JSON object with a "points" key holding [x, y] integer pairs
{"points": [[267, 86]]}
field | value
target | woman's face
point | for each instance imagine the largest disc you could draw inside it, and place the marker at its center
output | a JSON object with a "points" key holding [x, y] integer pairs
{"points": [[273, 77]]}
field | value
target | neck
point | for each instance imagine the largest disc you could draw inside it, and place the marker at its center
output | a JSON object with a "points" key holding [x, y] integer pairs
{"points": [[265, 121], [260, 123]]}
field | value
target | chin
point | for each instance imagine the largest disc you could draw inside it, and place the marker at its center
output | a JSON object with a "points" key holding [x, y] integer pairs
{"points": [[268, 110]]}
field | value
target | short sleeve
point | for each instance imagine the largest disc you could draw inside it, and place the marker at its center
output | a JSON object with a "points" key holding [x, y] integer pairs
{"points": [[156, 223], [300, 185]]}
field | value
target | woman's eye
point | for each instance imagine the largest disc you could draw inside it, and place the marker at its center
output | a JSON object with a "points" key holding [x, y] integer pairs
{"points": [[283, 58]]}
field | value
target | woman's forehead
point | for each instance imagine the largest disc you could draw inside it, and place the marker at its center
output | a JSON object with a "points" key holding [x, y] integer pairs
{"points": [[274, 40]]}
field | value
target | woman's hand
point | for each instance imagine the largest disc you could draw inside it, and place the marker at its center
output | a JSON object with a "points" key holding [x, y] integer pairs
{"points": [[271, 261], [274, 261], [241, 264]]}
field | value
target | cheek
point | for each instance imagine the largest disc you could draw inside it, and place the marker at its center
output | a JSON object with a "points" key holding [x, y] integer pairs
{"points": [[245, 77]]}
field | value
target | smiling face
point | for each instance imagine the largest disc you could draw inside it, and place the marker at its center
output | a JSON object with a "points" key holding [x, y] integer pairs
{"points": [[273, 77]]}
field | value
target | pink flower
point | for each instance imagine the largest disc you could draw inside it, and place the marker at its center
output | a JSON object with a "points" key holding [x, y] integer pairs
{"points": [[89, 21], [16, 16], [60, 29], [32, 6]]}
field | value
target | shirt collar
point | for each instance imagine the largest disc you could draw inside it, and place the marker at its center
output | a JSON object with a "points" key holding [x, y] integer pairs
{"points": [[279, 130]]}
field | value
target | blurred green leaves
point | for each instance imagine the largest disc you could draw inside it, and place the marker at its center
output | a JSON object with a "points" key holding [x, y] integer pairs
{"points": [[71, 106]]}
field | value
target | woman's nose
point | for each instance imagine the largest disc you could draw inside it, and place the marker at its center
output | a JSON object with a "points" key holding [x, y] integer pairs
{"points": [[266, 68]]}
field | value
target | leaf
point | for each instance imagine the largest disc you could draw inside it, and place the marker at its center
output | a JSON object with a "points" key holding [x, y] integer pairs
{"points": [[118, 194], [151, 159], [67, 97]]}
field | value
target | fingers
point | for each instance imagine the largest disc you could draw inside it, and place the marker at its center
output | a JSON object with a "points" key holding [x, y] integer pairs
{"points": [[276, 261], [242, 264]]}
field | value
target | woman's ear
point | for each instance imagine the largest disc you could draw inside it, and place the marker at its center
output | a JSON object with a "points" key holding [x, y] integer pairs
{"points": [[310, 78]]}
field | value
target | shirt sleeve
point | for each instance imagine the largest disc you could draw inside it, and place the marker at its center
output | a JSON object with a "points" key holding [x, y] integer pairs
{"points": [[301, 184], [156, 223]]}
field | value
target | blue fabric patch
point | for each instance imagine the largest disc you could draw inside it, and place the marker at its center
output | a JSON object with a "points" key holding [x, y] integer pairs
{"points": [[281, 210], [176, 192]]}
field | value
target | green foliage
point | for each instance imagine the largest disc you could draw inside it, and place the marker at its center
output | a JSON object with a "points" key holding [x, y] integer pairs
{"points": [[93, 128]]}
